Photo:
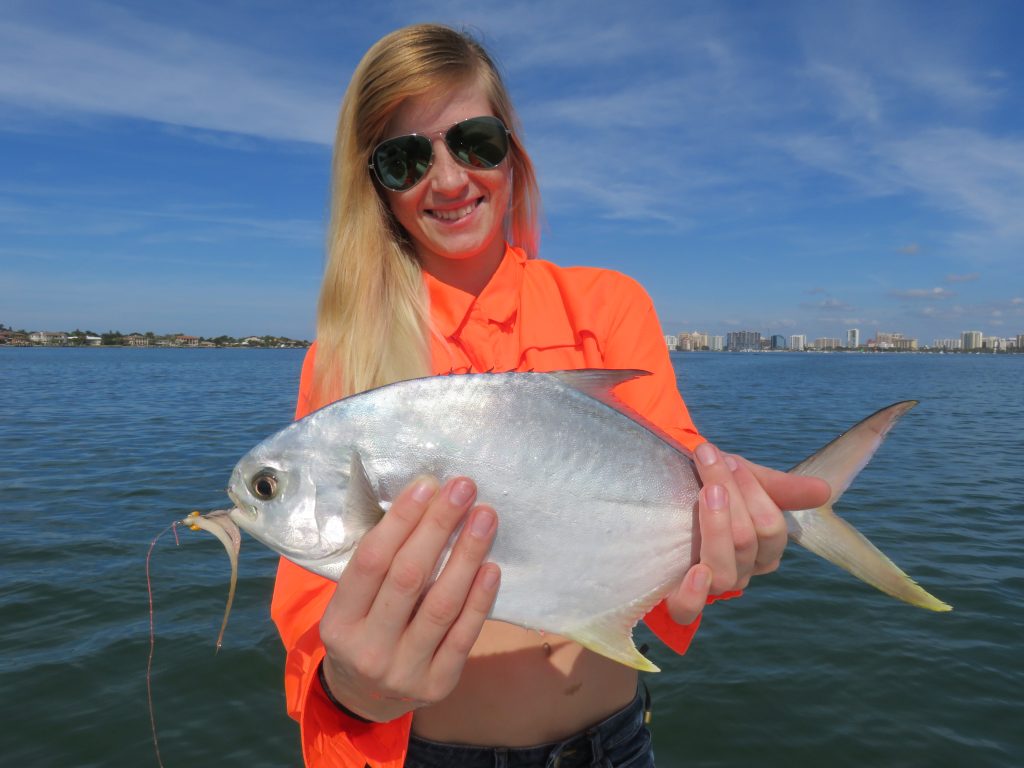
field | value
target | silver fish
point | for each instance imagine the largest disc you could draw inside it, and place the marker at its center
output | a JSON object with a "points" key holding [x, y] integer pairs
{"points": [[597, 508]]}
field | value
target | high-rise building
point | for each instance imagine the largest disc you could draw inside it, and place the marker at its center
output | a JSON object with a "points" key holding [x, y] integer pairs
{"points": [[715, 343], [778, 342], [743, 341], [970, 340], [798, 342], [853, 338]]}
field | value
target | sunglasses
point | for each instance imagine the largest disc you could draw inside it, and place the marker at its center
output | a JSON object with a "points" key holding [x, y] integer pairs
{"points": [[402, 162]]}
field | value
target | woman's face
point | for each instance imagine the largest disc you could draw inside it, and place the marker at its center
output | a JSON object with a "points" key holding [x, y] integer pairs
{"points": [[455, 215]]}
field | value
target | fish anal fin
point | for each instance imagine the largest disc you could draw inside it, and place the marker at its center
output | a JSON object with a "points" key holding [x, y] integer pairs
{"points": [[363, 509], [611, 634]]}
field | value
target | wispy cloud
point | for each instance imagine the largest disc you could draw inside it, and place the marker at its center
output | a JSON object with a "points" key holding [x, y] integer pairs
{"points": [[829, 305], [968, 278], [142, 70], [923, 293]]}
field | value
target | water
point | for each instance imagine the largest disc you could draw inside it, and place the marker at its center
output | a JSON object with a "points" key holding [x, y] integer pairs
{"points": [[100, 449]]}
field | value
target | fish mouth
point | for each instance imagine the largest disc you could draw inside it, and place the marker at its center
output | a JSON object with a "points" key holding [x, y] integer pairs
{"points": [[242, 513]]}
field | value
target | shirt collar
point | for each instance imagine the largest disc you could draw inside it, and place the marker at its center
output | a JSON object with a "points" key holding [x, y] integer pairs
{"points": [[498, 302]]}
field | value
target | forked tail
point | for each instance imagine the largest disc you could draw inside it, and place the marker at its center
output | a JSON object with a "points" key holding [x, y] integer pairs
{"points": [[828, 535]]}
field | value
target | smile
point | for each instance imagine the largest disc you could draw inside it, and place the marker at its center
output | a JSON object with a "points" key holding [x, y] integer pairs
{"points": [[454, 214]]}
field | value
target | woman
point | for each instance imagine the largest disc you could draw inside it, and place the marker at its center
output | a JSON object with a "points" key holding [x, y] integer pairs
{"points": [[430, 270]]}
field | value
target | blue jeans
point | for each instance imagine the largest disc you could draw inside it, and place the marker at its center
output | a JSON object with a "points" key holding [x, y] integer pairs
{"points": [[620, 741]]}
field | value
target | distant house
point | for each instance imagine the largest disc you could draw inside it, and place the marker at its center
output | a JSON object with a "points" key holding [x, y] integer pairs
{"points": [[252, 341], [136, 340], [186, 341], [48, 337], [93, 341]]}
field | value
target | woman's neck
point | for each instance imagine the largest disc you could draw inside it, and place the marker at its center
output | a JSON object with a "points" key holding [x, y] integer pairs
{"points": [[471, 274]]}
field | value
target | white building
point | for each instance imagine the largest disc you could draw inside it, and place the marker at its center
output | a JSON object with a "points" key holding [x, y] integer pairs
{"points": [[853, 338], [798, 343], [970, 340], [716, 343]]}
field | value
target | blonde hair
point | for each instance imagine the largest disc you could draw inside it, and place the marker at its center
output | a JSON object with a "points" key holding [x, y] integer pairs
{"points": [[373, 320]]}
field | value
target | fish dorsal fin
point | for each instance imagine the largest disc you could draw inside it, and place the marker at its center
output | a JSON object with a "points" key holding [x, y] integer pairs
{"points": [[611, 634], [362, 504], [598, 383]]}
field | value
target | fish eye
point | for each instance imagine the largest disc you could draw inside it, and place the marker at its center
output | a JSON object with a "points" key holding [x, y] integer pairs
{"points": [[264, 485]]}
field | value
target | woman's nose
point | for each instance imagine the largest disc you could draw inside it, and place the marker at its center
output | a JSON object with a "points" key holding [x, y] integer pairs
{"points": [[447, 175]]}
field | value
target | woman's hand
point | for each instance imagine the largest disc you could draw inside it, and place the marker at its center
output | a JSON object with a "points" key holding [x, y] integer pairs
{"points": [[742, 530], [391, 647]]}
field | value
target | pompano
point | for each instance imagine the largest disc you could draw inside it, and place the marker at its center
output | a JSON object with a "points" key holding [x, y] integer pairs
{"points": [[596, 507]]}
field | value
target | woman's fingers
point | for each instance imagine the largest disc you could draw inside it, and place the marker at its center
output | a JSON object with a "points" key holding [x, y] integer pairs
{"points": [[415, 562], [790, 491], [728, 540], [449, 597], [768, 522], [361, 580], [454, 649], [687, 602]]}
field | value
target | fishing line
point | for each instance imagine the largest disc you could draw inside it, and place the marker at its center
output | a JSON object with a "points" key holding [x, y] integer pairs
{"points": [[152, 637]]}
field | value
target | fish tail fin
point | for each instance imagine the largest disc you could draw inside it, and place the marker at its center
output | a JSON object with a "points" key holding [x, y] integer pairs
{"points": [[826, 534]]}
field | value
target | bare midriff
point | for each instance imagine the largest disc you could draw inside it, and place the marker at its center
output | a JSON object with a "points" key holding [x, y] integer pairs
{"points": [[521, 688]]}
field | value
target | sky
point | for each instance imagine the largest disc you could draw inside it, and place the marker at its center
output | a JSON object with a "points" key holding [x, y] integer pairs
{"points": [[785, 167]]}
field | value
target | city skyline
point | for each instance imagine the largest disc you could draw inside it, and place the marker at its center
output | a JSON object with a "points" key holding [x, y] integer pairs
{"points": [[894, 340], [794, 168]]}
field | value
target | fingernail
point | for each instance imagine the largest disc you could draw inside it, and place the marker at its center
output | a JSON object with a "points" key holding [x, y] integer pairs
{"points": [[490, 578], [715, 497], [482, 522], [731, 463], [701, 579], [423, 490], [706, 454], [461, 492]]}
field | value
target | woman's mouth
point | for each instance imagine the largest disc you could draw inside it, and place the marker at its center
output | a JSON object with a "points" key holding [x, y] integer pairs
{"points": [[454, 214]]}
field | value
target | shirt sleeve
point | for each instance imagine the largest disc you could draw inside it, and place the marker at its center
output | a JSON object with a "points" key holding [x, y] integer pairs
{"points": [[328, 736], [635, 340]]}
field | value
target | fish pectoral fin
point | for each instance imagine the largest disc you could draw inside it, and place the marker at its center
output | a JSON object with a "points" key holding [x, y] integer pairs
{"points": [[611, 634], [363, 509]]}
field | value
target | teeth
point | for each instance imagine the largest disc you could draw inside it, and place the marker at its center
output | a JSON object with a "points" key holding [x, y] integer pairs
{"points": [[458, 213]]}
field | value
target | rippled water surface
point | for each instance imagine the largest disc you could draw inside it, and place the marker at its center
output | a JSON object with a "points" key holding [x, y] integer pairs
{"points": [[100, 449]]}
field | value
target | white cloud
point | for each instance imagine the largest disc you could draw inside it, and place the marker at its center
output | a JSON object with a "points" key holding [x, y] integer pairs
{"points": [[168, 75]]}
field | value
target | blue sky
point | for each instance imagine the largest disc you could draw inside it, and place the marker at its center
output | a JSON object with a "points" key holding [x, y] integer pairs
{"points": [[785, 167]]}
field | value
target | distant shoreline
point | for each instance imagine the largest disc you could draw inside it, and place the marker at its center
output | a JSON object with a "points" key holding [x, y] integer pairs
{"points": [[306, 345]]}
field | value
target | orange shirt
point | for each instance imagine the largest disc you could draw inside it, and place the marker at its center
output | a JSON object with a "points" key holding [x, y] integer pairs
{"points": [[532, 315]]}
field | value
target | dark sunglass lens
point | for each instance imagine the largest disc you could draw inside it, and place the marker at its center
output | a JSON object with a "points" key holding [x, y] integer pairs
{"points": [[401, 162], [481, 142]]}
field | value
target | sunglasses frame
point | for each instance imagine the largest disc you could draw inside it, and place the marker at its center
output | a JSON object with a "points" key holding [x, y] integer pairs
{"points": [[443, 133]]}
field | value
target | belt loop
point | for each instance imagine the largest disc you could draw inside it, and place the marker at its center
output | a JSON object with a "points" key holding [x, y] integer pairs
{"points": [[597, 756]]}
